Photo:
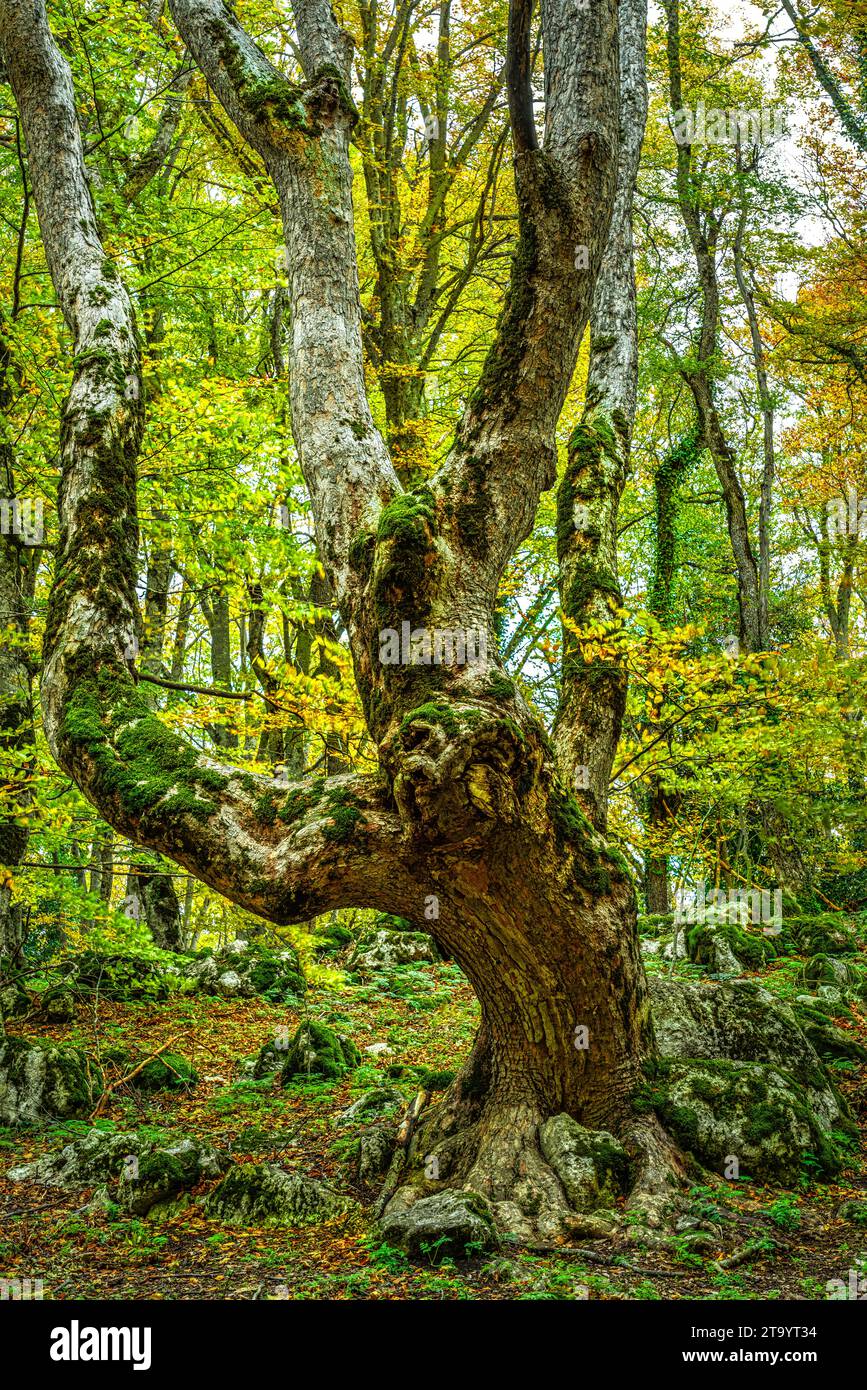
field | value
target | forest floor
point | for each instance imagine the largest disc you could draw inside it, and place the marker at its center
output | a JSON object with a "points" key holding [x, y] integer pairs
{"points": [[771, 1243]]}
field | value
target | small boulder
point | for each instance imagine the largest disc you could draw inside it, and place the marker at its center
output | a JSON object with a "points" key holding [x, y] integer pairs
{"points": [[317, 1050], [241, 971], [14, 1000], [39, 1080], [386, 950], [155, 1182], [269, 1059], [375, 1150], [823, 969], [231, 986], [381, 1100], [58, 1006], [147, 1173], [590, 1163], [745, 1111], [261, 1194], [453, 1222], [712, 947], [739, 1021], [168, 1072]]}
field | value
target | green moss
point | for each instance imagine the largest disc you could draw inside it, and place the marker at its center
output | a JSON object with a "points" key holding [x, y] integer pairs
{"points": [[590, 440], [265, 808], [432, 713], [169, 1072], [406, 567], [361, 553], [300, 800], [499, 687], [409, 518], [266, 96], [317, 1050], [500, 377], [681, 457], [592, 863], [135, 760], [344, 815], [471, 506]]}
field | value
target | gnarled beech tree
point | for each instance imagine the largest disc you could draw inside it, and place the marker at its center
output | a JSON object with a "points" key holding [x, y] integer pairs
{"points": [[470, 803]]}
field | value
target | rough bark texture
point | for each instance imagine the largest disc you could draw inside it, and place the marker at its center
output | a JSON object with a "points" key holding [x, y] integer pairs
{"points": [[469, 805], [594, 691]]}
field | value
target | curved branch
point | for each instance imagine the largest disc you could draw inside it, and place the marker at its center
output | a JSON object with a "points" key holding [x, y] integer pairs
{"points": [[504, 454], [519, 77], [284, 851], [302, 132]]}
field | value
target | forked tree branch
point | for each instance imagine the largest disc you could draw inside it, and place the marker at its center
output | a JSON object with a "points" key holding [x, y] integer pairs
{"points": [[286, 852]]}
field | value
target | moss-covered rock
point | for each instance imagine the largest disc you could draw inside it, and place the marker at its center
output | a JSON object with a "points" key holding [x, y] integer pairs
{"points": [[168, 1072], [127, 979], [332, 939], [243, 970], [385, 949], [375, 1150], [454, 1223], [58, 1006], [738, 1020], [372, 1105], [741, 1119], [591, 1164], [14, 999], [143, 1174], [317, 1050], [827, 932], [656, 924], [157, 1180], [824, 969], [729, 948], [270, 1058], [39, 1081], [831, 1043], [261, 1194]]}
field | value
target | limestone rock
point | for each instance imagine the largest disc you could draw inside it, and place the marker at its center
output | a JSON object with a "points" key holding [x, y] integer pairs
{"points": [[453, 1222], [375, 1149], [747, 1111], [261, 1194], [317, 1050], [379, 1101], [58, 1006], [147, 1174], [739, 1021], [39, 1080], [168, 1072], [14, 1000], [386, 950], [592, 1166]]}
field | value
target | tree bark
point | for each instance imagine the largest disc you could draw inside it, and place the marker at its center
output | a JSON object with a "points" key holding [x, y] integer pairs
{"points": [[469, 807], [593, 696]]}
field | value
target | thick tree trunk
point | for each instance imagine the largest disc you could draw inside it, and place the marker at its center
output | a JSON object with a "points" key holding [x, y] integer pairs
{"points": [[469, 807]]}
